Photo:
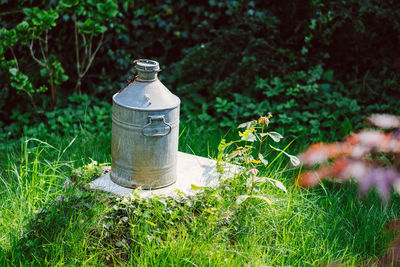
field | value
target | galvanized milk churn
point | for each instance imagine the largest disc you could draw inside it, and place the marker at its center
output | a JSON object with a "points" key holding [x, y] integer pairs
{"points": [[145, 128]]}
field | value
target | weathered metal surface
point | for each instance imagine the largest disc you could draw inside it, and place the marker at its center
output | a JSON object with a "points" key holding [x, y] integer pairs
{"points": [[145, 129]]}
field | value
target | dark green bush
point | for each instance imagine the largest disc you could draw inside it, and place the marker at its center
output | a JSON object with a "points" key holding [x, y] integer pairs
{"points": [[312, 64], [318, 66]]}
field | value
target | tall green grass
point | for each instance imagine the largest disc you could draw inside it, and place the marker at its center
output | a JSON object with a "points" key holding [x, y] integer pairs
{"points": [[27, 184], [47, 218]]}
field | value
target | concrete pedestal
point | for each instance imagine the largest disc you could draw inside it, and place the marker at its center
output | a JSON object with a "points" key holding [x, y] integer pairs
{"points": [[192, 172]]}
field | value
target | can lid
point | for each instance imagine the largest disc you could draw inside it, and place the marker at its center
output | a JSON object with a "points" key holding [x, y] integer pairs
{"points": [[147, 65]]}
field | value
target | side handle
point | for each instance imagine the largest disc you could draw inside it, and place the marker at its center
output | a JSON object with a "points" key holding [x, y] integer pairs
{"points": [[155, 131]]}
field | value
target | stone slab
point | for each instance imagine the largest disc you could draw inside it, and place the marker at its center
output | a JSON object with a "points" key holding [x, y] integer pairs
{"points": [[191, 170]]}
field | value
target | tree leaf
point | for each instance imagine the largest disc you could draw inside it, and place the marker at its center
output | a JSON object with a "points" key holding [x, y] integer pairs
{"points": [[44, 72], [13, 71], [102, 29], [64, 77]]}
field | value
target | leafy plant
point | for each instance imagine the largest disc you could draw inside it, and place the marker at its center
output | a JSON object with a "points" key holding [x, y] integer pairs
{"points": [[89, 21], [253, 158], [34, 29], [79, 114]]}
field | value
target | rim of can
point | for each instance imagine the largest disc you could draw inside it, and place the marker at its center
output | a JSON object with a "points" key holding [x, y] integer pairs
{"points": [[147, 65]]}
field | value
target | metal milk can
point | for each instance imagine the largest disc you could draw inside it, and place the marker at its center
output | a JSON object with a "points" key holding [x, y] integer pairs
{"points": [[145, 129]]}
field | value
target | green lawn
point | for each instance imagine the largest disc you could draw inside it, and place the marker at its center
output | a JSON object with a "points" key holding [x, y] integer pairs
{"points": [[48, 217]]}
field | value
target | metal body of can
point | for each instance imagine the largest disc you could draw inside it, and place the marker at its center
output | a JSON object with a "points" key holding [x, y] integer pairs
{"points": [[145, 130]]}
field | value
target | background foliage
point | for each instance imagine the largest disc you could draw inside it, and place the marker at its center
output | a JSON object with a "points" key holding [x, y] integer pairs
{"points": [[318, 66]]}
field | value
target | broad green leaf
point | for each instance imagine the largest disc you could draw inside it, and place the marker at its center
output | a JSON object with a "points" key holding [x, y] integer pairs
{"points": [[275, 136], [27, 11], [102, 29], [13, 71], [44, 72], [22, 27], [64, 77]]}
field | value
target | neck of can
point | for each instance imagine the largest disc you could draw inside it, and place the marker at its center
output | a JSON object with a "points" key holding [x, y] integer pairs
{"points": [[146, 76]]}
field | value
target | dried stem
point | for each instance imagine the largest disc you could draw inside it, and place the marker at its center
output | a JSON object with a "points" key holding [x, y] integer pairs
{"points": [[86, 54], [15, 58], [90, 45], [46, 43], [261, 141], [94, 54], [44, 52], [33, 55], [10, 12], [32, 102], [90, 56]]}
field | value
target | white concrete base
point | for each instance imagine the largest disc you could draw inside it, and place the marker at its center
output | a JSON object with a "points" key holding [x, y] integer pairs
{"points": [[192, 172]]}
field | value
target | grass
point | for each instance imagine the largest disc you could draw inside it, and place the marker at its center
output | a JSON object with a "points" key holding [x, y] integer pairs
{"points": [[45, 222]]}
